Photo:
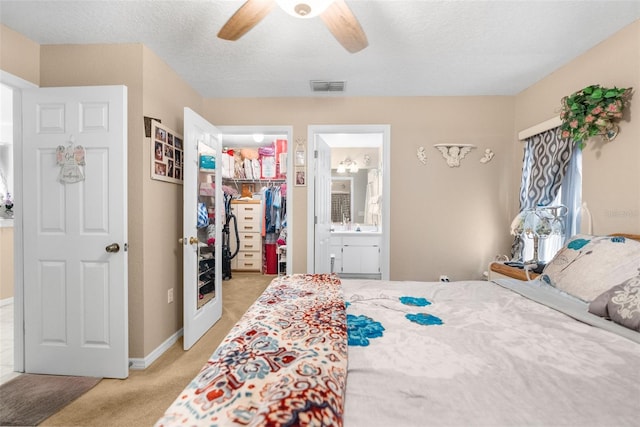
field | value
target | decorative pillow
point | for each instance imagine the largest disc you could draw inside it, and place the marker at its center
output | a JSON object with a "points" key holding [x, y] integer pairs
{"points": [[621, 304], [588, 265], [248, 153]]}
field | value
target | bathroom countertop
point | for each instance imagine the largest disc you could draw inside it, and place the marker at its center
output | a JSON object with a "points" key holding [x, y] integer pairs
{"points": [[356, 233], [6, 222]]}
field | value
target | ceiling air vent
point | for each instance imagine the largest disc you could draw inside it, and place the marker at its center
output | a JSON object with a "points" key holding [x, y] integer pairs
{"points": [[325, 86]]}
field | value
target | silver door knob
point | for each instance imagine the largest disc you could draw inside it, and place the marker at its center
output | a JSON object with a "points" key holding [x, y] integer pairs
{"points": [[113, 248]]}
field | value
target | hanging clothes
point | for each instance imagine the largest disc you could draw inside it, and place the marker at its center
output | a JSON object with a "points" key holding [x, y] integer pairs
{"points": [[274, 209]]}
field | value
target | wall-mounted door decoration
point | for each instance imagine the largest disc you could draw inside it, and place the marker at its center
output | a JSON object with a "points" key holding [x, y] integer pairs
{"points": [[167, 155], [71, 162]]}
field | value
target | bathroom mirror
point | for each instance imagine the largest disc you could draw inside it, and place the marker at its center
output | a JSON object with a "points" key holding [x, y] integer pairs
{"points": [[356, 186]]}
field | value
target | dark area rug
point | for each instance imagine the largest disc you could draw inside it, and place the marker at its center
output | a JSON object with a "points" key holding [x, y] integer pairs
{"points": [[30, 399]]}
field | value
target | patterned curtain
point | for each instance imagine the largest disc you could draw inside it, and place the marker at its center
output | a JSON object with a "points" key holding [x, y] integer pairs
{"points": [[545, 163], [340, 207]]}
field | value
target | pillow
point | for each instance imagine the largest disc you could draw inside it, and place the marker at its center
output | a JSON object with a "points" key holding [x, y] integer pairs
{"points": [[588, 265], [248, 153], [621, 304]]}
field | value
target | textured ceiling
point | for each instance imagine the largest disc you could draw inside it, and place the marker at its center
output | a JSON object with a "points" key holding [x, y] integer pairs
{"points": [[416, 48]]}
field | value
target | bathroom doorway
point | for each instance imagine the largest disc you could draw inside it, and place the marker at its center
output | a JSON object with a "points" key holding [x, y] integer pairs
{"points": [[354, 150], [13, 304]]}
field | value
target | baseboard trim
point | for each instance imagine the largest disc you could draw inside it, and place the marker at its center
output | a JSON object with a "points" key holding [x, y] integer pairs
{"points": [[6, 301], [141, 364]]}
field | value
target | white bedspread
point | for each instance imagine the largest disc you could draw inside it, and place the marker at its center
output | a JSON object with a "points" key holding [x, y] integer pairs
{"points": [[497, 359]]}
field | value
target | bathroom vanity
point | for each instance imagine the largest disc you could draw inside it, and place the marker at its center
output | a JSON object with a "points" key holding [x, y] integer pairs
{"points": [[356, 254]]}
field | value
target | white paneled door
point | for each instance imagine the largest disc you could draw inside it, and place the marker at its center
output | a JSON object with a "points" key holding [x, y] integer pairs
{"points": [[200, 136], [74, 174], [322, 188]]}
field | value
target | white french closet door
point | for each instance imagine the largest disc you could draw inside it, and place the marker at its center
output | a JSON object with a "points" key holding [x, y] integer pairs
{"points": [[202, 287]]}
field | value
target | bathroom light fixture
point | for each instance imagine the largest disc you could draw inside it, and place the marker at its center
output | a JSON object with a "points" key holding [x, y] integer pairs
{"points": [[304, 8], [347, 163], [354, 167]]}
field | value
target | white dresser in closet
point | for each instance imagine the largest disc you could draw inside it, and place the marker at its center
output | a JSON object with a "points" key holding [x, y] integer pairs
{"points": [[249, 217]]}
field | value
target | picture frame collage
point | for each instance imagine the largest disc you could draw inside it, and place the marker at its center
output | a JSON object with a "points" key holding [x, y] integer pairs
{"points": [[167, 154], [300, 167]]}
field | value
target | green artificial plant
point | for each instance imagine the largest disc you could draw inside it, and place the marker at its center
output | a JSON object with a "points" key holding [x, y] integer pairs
{"points": [[592, 111]]}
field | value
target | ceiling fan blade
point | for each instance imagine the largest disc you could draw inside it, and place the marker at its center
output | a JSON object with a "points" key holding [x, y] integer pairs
{"points": [[245, 18], [344, 26]]}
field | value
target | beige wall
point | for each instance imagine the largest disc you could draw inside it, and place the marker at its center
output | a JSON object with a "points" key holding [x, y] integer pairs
{"points": [[611, 171], [443, 220], [6, 262], [164, 97], [19, 55]]}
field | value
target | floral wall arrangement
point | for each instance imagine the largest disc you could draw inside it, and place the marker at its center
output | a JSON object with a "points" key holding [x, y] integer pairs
{"points": [[593, 111]]}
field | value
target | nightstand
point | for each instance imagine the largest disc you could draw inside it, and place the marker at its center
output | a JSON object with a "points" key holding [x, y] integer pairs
{"points": [[498, 270]]}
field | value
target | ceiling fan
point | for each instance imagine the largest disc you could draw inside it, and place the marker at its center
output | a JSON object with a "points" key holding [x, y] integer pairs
{"points": [[336, 15]]}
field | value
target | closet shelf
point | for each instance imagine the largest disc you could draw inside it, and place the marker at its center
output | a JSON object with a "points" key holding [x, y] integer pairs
{"points": [[241, 180]]}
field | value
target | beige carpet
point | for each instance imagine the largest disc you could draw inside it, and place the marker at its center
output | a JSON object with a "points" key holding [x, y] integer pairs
{"points": [[141, 399]]}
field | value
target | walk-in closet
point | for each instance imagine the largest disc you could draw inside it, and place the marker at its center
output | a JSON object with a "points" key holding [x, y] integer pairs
{"points": [[253, 170]]}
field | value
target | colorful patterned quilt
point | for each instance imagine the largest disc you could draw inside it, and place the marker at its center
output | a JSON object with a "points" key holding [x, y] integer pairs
{"points": [[283, 364]]}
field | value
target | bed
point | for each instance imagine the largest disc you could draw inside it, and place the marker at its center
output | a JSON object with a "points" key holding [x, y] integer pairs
{"points": [[319, 350]]}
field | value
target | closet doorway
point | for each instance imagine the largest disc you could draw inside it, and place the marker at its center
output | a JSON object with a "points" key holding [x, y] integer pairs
{"points": [[267, 256], [352, 153]]}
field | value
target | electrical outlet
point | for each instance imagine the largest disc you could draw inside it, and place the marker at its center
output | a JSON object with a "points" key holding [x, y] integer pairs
{"points": [[170, 296], [444, 278]]}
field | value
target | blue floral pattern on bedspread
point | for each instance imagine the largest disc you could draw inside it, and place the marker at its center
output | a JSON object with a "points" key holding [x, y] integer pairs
{"points": [[577, 244], [418, 302], [424, 319], [361, 329], [283, 364]]}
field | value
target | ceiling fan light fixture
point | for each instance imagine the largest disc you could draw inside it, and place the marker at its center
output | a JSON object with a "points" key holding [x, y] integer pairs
{"points": [[304, 8]]}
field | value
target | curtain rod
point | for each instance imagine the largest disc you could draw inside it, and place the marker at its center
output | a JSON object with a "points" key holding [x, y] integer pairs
{"points": [[539, 128]]}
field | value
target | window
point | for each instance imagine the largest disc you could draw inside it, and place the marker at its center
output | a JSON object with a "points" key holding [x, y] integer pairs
{"points": [[569, 195]]}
